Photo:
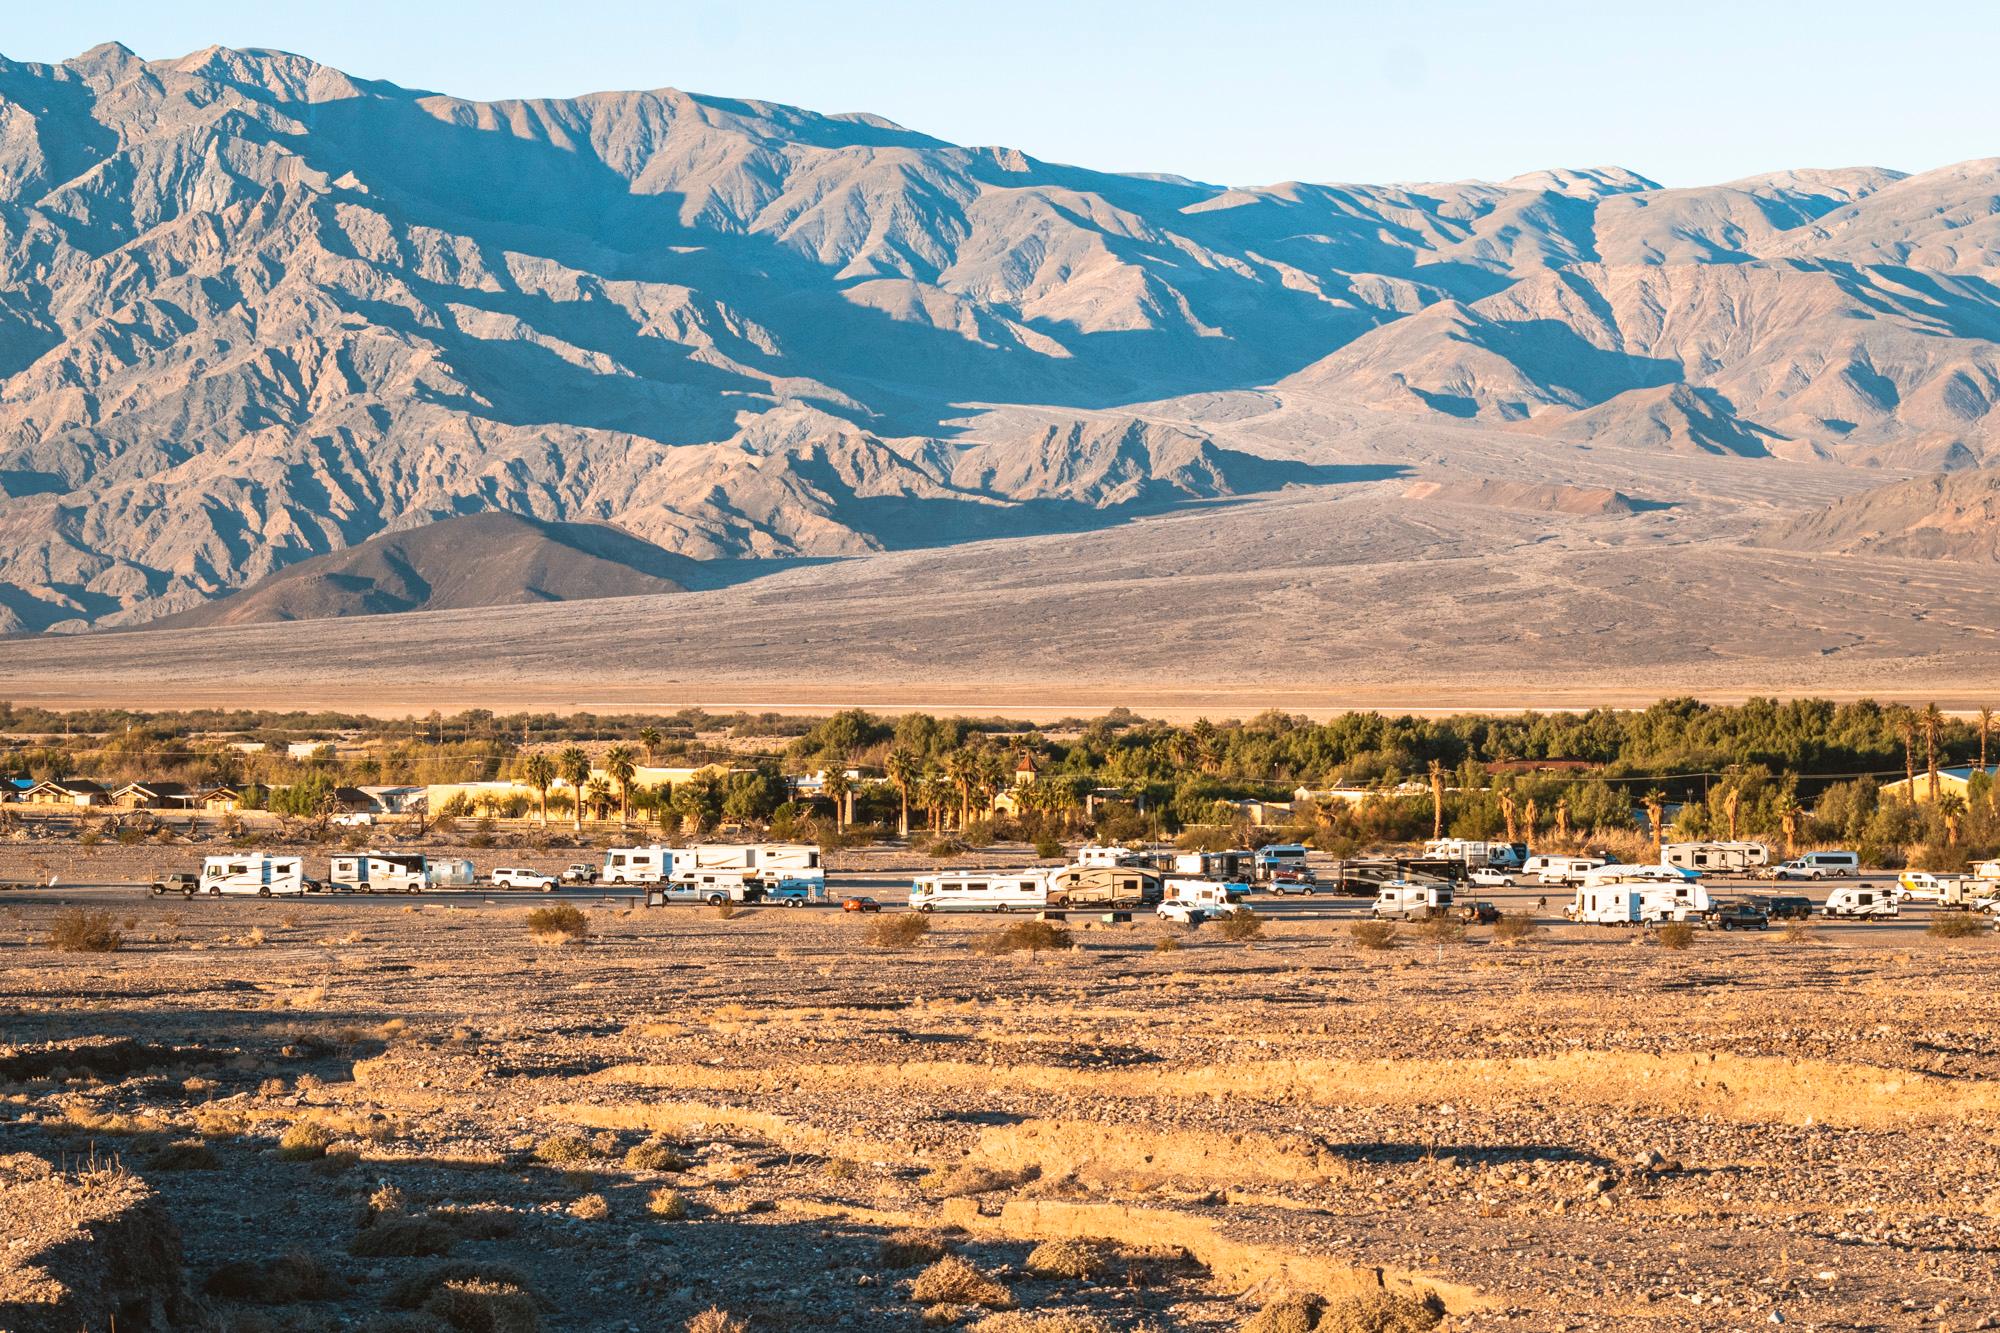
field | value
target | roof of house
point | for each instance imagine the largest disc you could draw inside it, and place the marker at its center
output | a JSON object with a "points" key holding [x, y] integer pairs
{"points": [[153, 788]]}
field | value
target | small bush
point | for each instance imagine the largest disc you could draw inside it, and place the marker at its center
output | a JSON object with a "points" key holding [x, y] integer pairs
{"points": [[715, 1319], [1958, 925], [1298, 1313], [1798, 930], [725, 910], [590, 1208], [560, 922], [1373, 934], [1026, 937], [1166, 944], [78, 931], [945, 847], [907, 1249], [304, 1141], [901, 931], [668, 1205], [1048, 849], [296, 1277], [1440, 930], [565, 1150], [1383, 1312], [402, 1238], [476, 1305], [1514, 927], [184, 1155], [655, 1155], [840, 1168], [1674, 935], [411, 1292], [954, 1281], [1069, 1258], [1241, 926], [970, 1178]]}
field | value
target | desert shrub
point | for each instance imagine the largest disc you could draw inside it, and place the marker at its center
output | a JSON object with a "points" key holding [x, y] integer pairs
{"points": [[1383, 1312], [590, 1208], [1514, 927], [565, 1150], [907, 1249], [669, 1205], [89, 838], [1438, 930], [1061, 1321], [901, 931], [1166, 944], [296, 1277], [1026, 937], [1798, 930], [402, 1238], [410, 1292], [77, 931], [655, 1155], [1241, 926], [478, 1221], [954, 1281], [477, 1305], [1674, 935], [725, 910], [1373, 934], [304, 1141], [560, 922], [1069, 1257], [184, 1155], [1957, 925], [1297, 1313], [945, 847], [715, 1319], [970, 1178], [840, 1168], [1049, 849]]}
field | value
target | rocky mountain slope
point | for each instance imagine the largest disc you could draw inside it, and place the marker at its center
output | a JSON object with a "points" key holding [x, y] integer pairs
{"points": [[1953, 517], [253, 310]]}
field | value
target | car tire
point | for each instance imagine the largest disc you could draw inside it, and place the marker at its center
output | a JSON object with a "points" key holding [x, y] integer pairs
{"points": [[717, 899], [187, 893]]}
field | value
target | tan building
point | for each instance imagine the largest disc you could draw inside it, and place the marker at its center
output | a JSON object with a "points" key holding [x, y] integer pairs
{"points": [[1956, 780]]}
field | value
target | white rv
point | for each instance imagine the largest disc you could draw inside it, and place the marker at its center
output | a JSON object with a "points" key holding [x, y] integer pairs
{"points": [[638, 865], [763, 863], [1564, 870], [1097, 854], [1608, 905], [377, 872], [1195, 900], [257, 873], [1617, 873], [1859, 902], [1478, 855], [1717, 857], [1672, 902], [1235, 865], [1401, 898], [981, 891], [452, 872]]}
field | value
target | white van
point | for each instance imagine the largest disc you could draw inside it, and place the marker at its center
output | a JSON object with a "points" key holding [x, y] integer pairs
{"points": [[1859, 902], [378, 872], [1564, 870], [257, 873], [981, 891], [1401, 899], [1819, 865]]}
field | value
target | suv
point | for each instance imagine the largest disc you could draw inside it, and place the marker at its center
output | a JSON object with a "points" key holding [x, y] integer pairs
{"points": [[518, 877], [1477, 913], [183, 882], [579, 872], [1284, 883], [1738, 916], [1782, 906]]}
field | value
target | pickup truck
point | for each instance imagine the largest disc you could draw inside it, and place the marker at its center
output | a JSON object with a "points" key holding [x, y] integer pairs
{"points": [[518, 877]]}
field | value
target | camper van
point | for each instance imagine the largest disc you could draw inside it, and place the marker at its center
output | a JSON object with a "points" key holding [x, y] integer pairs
{"points": [[255, 873], [1479, 855], [451, 872], [981, 891], [1400, 898], [1564, 870], [1607, 905], [377, 872], [1196, 900], [1103, 886], [1728, 858], [1818, 865], [1859, 902], [1280, 858]]}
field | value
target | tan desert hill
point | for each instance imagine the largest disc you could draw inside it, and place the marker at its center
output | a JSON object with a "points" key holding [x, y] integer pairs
{"points": [[458, 563], [1955, 517], [255, 311]]}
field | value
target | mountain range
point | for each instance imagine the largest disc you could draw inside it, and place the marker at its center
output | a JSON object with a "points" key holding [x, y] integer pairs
{"points": [[255, 312]]}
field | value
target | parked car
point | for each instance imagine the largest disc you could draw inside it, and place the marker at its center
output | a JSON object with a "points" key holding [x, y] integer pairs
{"points": [[1186, 913], [1737, 916], [353, 819], [859, 903], [1479, 912], [519, 877], [578, 872], [183, 882], [1782, 906], [1490, 877], [1288, 882]]}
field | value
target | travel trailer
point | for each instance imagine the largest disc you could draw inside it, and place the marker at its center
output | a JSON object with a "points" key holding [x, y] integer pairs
{"points": [[1617, 873], [637, 865], [981, 891], [1278, 859], [1361, 877], [761, 862], [1672, 902], [453, 872], [1400, 898], [1095, 854], [1479, 855], [377, 872], [257, 873], [1717, 857], [1103, 886], [1564, 870], [1860, 902], [1234, 865], [1607, 905]]}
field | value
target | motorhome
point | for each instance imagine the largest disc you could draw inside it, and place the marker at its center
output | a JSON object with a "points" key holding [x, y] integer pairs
{"points": [[1564, 870], [377, 872], [1987, 870], [1479, 855], [257, 873], [1819, 865], [1103, 886], [981, 891], [452, 872], [1206, 897], [1717, 857], [637, 865], [1860, 902], [1400, 898], [1362, 877], [761, 862], [1235, 865], [1094, 854], [1607, 905]]}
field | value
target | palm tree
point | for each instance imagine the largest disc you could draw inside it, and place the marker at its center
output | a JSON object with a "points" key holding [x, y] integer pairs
{"points": [[598, 792], [1437, 799], [934, 797], [904, 769], [961, 770], [991, 776], [1562, 821], [573, 767], [539, 772], [621, 766], [1985, 726], [1933, 724], [1656, 805], [651, 738], [1182, 749], [839, 787], [1729, 807], [1204, 739], [1952, 807], [1907, 724]]}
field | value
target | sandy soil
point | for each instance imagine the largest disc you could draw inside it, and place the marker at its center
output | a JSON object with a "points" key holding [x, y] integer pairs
{"points": [[1577, 1131]]}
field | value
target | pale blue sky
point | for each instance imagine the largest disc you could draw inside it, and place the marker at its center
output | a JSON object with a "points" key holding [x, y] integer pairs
{"points": [[1240, 93]]}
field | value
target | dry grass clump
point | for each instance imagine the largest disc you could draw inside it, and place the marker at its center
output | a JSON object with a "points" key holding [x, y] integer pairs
{"points": [[1514, 927], [1062, 1321], [1798, 930], [77, 931], [410, 1293], [1295, 1313], [565, 1150], [1373, 934], [304, 1141], [953, 1281], [724, 910], [484, 1221], [1241, 926], [840, 1168], [907, 1249], [1439, 930], [1957, 925], [479, 1305], [1069, 1257], [1383, 1312], [655, 1154], [667, 1205], [402, 1238], [715, 1319], [590, 1208], [1026, 937], [901, 931], [296, 1277], [184, 1155], [969, 1178], [1674, 935], [560, 924], [1167, 944]]}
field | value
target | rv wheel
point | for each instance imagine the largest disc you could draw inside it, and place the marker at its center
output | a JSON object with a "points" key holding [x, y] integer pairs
{"points": [[215, 890], [263, 890], [415, 888]]}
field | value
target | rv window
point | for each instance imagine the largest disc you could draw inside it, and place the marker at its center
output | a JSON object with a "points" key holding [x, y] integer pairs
{"points": [[1027, 886], [975, 888]]}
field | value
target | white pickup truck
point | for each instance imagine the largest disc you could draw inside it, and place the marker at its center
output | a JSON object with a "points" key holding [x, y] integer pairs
{"points": [[520, 877]]}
